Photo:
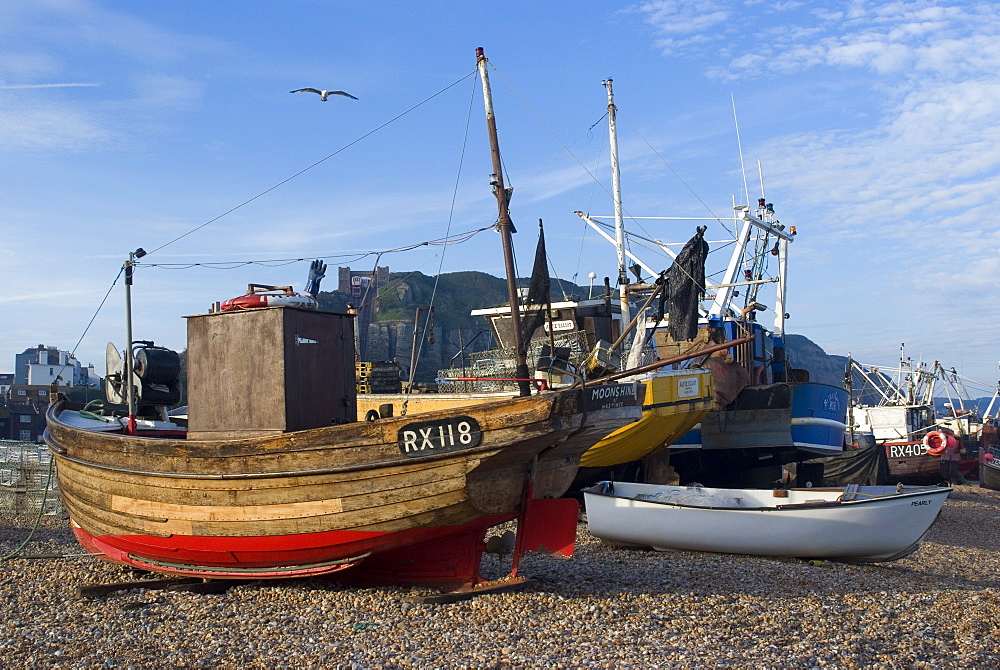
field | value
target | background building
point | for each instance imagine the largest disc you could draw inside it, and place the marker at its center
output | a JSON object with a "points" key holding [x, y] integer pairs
{"points": [[355, 282], [22, 413], [24, 394], [42, 366], [363, 287]]}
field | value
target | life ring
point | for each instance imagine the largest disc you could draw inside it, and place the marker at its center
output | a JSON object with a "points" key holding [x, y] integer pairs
{"points": [[259, 300], [937, 442]]}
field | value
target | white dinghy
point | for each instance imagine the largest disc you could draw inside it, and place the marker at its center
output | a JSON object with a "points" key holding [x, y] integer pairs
{"points": [[864, 524]]}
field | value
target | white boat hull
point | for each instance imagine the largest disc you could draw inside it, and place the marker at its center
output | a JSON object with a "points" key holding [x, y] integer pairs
{"points": [[869, 524]]}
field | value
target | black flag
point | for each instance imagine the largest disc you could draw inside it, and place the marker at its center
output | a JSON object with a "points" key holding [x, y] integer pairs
{"points": [[538, 292]]}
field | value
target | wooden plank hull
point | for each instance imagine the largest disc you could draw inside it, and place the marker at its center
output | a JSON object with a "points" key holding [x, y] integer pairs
{"points": [[321, 500], [909, 462], [989, 476]]}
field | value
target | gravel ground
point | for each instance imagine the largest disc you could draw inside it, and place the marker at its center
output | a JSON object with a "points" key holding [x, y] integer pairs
{"points": [[607, 607]]}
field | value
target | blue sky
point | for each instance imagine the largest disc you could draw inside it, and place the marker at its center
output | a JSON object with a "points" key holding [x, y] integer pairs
{"points": [[126, 124]]}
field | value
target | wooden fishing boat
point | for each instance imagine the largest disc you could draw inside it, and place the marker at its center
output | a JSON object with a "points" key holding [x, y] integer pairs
{"points": [[765, 413], [864, 524], [897, 405], [322, 499], [274, 477], [989, 475], [675, 402]]}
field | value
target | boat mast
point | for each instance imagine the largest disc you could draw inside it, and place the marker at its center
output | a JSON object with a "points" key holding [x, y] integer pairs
{"points": [[504, 226], [617, 194], [130, 398]]}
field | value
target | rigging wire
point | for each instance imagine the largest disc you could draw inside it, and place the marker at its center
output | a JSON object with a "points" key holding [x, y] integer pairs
{"points": [[592, 176], [739, 143], [593, 190], [656, 153], [310, 167], [451, 216], [278, 262], [92, 318]]}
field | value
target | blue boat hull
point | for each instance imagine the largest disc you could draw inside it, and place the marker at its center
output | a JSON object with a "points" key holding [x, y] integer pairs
{"points": [[808, 416]]}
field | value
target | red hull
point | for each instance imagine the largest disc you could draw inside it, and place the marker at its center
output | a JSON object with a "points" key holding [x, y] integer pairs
{"points": [[910, 462], [428, 558]]}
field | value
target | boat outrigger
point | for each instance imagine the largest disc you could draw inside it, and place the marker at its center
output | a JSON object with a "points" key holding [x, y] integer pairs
{"points": [[765, 413]]}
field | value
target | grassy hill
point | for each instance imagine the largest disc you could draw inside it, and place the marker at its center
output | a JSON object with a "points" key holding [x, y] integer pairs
{"points": [[457, 294]]}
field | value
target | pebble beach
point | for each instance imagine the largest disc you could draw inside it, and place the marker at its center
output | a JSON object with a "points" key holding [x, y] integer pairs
{"points": [[607, 607]]}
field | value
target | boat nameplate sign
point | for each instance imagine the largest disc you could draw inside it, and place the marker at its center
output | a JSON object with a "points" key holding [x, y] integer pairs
{"points": [[687, 387], [557, 326], [906, 450], [439, 436], [610, 396]]}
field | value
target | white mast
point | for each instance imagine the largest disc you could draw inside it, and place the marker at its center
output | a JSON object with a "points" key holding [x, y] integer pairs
{"points": [[728, 283], [617, 194]]}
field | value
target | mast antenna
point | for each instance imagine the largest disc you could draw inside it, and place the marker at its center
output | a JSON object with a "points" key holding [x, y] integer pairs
{"points": [[760, 174], [617, 194], [736, 121]]}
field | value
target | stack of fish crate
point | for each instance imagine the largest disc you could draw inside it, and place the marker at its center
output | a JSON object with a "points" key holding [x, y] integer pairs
{"points": [[27, 480], [378, 377]]}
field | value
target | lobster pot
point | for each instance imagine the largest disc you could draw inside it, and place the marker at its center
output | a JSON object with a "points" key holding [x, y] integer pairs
{"points": [[27, 481], [269, 371]]}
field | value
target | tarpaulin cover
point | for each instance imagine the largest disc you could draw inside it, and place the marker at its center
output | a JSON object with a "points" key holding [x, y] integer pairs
{"points": [[866, 467]]}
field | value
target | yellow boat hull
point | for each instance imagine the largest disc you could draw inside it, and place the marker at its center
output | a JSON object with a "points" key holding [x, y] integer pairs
{"points": [[675, 402]]}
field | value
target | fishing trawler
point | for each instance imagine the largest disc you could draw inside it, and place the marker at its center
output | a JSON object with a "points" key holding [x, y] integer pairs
{"points": [[898, 405], [765, 413]]}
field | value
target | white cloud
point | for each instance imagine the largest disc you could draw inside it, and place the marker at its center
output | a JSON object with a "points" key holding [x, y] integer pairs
{"points": [[899, 147], [683, 23], [30, 127], [684, 17], [163, 90], [912, 39]]}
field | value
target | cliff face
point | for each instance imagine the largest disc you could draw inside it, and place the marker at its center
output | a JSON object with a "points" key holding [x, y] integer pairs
{"points": [[393, 341], [456, 294], [803, 353]]}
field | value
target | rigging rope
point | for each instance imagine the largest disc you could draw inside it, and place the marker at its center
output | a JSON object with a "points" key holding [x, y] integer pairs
{"points": [[591, 174], [232, 265], [680, 179], [310, 167], [437, 277]]}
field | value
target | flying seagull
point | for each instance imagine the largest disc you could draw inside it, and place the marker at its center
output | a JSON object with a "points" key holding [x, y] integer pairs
{"points": [[323, 94]]}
